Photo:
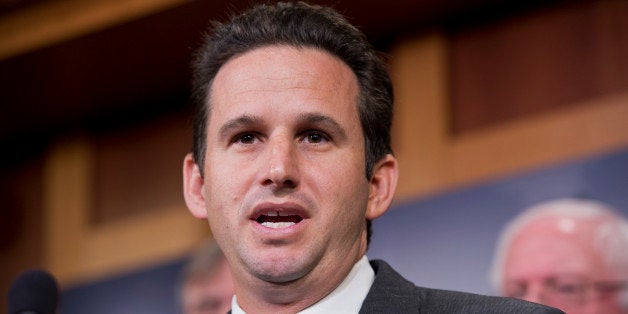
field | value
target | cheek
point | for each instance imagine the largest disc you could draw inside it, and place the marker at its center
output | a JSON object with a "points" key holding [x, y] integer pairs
{"points": [[338, 178], [227, 183], [344, 190], [225, 178], [220, 198]]}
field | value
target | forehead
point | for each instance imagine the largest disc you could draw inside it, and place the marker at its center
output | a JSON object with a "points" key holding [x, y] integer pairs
{"points": [[553, 246], [278, 76]]}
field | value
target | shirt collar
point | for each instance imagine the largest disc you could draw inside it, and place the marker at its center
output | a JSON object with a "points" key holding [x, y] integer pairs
{"points": [[346, 298]]}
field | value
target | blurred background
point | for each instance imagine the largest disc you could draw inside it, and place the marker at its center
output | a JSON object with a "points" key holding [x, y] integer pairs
{"points": [[498, 105]]}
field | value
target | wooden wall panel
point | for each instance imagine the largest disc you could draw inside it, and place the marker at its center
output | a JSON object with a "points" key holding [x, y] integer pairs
{"points": [[50, 22], [540, 61], [420, 123], [138, 169], [77, 250], [432, 159]]}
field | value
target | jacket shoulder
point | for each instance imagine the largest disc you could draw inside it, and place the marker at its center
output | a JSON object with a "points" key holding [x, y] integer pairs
{"points": [[391, 293], [444, 301]]}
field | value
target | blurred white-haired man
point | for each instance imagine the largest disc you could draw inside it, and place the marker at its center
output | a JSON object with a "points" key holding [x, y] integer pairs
{"points": [[568, 253]]}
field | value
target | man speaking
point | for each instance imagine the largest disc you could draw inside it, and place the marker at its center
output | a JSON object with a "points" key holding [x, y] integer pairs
{"points": [[291, 162]]}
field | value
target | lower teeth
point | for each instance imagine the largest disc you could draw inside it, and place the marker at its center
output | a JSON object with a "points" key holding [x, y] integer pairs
{"points": [[277, 224]]}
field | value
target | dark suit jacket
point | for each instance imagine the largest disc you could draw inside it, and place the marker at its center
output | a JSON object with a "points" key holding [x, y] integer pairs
{"points": [[391, 293]]}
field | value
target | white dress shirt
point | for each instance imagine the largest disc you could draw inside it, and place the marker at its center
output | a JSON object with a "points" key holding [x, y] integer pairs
{"points": [[346, 298]]}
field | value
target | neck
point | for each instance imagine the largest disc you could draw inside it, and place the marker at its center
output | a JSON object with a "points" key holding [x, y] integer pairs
{"points": [[258, 296]]}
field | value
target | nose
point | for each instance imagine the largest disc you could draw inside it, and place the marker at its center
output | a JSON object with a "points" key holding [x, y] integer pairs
{"points": [[280, 165]]}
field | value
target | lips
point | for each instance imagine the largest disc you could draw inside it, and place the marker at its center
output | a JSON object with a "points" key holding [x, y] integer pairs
{"points": [[278, 216]]}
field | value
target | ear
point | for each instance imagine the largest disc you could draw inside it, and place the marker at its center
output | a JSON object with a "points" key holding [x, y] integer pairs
{"points": [[382, 186], [193, 187]]}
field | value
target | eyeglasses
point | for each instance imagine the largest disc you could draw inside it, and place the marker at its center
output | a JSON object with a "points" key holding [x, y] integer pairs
{"points": [[568, 290]]}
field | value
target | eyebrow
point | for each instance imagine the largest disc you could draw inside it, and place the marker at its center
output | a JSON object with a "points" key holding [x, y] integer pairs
{"points": [[236, 123], [324, 121]]}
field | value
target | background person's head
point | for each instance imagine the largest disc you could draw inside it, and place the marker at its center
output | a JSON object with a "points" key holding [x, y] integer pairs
{"points": [[206, 284], [567, 253]]}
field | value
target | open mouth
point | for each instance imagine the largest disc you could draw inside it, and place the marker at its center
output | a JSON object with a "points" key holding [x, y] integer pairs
{"points": [[276, 219]]}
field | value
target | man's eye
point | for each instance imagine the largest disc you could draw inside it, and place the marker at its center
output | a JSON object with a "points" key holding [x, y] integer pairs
{"points": [[569, 288], [315, 137], [246, 138]]}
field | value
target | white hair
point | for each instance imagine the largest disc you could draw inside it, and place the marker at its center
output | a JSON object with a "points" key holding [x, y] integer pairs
{"points": [[611, 234]]}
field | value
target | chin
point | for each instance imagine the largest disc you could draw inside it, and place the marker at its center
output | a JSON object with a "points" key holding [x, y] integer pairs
{"points": [[280, 277], [281, 269]]}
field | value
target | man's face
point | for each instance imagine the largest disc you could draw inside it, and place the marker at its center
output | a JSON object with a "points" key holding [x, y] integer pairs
{"points": [[553, 261], [284, 187]]}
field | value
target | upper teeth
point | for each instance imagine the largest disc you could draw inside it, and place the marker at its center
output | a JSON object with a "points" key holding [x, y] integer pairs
{"points": [[276, 213]]}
